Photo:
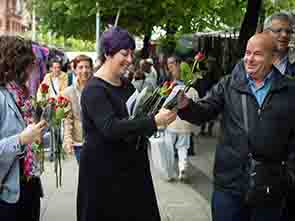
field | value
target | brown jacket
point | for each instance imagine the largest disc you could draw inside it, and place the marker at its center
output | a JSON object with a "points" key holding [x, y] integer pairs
{"points": [[72, 123]]}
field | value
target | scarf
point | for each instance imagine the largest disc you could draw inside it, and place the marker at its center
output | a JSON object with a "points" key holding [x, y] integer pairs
{"points": [[31, 165]]}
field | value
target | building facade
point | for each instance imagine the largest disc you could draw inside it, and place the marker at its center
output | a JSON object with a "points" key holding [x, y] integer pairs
{"points": [[12, 17]]}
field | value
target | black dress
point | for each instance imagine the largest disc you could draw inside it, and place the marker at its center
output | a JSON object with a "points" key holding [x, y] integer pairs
{"points": [[115, 182]]}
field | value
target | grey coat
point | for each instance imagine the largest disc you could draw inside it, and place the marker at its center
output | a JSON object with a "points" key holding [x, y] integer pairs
{"points": [[11, 124]]}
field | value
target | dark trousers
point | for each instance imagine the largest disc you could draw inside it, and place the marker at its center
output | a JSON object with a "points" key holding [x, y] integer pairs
{"points": [[289, 212], [229, 207], [28, 206]]}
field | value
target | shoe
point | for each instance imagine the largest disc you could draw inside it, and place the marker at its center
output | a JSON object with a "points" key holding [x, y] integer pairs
{"points": [[183, 175], [202, 133], [170, 179]]}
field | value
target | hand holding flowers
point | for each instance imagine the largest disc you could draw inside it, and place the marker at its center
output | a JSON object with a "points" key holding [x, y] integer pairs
{"points": [[53, 111]]}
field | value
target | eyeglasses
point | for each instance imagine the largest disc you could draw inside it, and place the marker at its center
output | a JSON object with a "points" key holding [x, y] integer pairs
{"points": [[280, 30]]}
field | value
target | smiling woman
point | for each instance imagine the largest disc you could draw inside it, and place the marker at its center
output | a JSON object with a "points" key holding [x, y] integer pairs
{"points": [[115, 181]]}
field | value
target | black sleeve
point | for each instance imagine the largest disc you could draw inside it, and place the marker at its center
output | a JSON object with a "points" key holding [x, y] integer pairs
{"points": [[291, 161], [205, 109], [96, 104]]}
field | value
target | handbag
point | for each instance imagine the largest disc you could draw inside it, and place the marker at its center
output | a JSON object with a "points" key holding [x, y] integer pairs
{"points": [[162, 156], [266, 182]]}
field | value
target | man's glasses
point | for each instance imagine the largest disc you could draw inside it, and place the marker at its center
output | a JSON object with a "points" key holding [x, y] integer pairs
{"points": [[281, 30]]}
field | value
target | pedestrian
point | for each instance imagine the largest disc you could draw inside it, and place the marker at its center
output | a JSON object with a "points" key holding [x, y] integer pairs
{"points": [[115, 181], [140, 81], [71, 73], [20, 185], [250, 180], [57, 80], [161, 68], [209, 78], [178, 133], [73, 139], [279, 25]]}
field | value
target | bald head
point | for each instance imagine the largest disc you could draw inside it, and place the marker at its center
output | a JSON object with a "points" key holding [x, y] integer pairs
{"points": [[265, 40], [259, 56]]}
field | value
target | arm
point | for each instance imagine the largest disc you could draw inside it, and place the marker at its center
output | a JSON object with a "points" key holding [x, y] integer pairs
{"points": [[10, 144], [207, 108], [97, 106], [68, 128]]}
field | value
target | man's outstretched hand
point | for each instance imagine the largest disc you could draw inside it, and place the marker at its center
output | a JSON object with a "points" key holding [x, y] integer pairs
{"points": [[182, 100]]}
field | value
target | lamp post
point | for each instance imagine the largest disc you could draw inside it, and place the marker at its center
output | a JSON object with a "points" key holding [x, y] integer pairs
{"points": [[117, 17], [34, 33], [97, 29]]}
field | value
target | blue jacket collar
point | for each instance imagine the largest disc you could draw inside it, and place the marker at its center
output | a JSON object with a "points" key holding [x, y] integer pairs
{"points": [[239, 79]]}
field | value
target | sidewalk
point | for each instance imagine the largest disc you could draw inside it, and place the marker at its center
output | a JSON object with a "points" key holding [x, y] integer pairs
{"points": [[177, 201]]}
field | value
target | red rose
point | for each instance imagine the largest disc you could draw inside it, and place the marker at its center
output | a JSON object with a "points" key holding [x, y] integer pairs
{"points": [[66, 101], [166, 84], [172, 84], [44, 88], [200, 56], [62, 101], [51, 100]]}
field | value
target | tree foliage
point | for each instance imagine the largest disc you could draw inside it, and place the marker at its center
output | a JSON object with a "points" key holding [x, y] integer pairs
{"points": [[77, 18]]}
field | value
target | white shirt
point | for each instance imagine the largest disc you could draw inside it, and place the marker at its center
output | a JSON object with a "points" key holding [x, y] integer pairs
{"points": [[282, 65], [56, 87]]}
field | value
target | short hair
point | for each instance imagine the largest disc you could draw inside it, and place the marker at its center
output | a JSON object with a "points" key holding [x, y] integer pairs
{"points": [[80, 58], [115, 39], [266, 39], [282, 16], [16, 54], [55, 61], [175, 57]]}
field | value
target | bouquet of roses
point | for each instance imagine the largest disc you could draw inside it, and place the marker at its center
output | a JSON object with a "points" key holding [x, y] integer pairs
{"points": [[149, 102], [171, 101], [53, 110]]}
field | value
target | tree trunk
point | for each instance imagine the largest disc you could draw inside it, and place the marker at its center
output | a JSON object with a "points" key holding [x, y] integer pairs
{"points": [[170, 44], [146, 42], [249, 24]]}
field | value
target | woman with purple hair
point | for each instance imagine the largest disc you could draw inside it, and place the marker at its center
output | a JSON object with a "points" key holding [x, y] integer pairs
{"points": [[115, 181]]}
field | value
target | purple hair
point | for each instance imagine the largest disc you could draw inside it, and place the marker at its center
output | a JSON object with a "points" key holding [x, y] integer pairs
{"points": [[115, 39]]}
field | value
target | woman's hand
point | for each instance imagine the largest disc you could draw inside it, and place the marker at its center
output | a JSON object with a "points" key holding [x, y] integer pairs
{"points": [[32, 132], [165, 117], [69, 148]]}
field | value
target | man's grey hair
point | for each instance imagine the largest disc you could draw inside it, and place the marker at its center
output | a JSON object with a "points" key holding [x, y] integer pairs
{"points": [[282, 16]]}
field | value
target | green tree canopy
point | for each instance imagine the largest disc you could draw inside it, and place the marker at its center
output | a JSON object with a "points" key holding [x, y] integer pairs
{"points": [[77, 18]]}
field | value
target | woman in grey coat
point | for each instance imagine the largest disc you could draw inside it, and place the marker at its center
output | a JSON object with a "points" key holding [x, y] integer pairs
{"points": [[19, 177]]}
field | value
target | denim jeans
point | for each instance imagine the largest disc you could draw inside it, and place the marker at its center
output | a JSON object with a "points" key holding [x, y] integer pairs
{"points": [[77, 150], [230, 207], [181, 142]]}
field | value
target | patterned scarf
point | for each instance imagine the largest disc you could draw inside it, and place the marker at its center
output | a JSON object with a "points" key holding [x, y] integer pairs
{"points": [[31, 165]]}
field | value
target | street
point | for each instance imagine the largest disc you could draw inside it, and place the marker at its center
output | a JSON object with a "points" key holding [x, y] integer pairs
{"points": [[178, 201]]}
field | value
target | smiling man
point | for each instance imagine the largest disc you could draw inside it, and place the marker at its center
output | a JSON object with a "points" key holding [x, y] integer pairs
{"points": [[268, 141], [279, 26]]}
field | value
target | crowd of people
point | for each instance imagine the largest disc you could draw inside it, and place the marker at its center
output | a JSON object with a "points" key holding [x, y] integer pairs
{"points": [[254, 161]]}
